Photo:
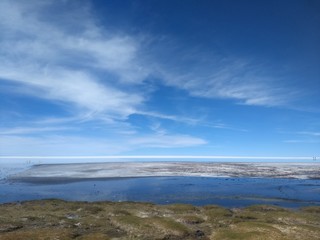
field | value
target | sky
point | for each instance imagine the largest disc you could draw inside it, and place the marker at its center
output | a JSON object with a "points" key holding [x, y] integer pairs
{"points": [[160, 77]]}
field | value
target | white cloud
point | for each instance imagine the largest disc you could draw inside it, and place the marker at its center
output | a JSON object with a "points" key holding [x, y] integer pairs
{"points": [[30, 130], [315, 134], [309, 134], [231, 79], [14, 145], [167, 141], [74, 87], [300, 141], [56, 145], [76, 61], [303, 137], [68, 57], [58, 52], [46, 58], [182, 119]]}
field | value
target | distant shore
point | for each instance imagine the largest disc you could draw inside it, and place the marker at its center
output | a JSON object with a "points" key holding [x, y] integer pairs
{"points": [[83, 171]]}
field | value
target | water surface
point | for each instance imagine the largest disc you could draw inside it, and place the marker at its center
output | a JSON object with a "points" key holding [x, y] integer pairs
{"points": [[228, 192]]}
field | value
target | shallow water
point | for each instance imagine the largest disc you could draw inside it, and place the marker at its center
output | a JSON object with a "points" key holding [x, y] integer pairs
{"points": [[228, 192]]}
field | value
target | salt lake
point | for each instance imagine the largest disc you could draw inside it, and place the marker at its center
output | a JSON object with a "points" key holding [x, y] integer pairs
{"points": [[228, 192], [235, 190]]}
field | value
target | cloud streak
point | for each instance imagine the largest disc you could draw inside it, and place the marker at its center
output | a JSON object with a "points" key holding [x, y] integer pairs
{"points": [[75, 62], [102, 81], [11, 145], [31, 130], [55, 64], [315, 134], [233, 79]]}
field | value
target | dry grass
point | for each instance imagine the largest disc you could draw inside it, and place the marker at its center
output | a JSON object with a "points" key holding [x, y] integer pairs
{"points": [[56, 219]]}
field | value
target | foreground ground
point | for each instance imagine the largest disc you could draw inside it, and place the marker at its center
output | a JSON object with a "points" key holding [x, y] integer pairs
{"points": [[56, 219]]}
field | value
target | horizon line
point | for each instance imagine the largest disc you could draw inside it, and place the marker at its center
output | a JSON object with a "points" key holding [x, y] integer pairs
{"points": [[164, 157]]}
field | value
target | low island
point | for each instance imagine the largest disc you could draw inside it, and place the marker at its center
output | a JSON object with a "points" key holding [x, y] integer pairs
{"points": [[83, 171]]}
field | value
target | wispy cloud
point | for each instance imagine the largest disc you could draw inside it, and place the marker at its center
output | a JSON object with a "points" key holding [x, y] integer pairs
{"points": [[315, 134], [81, 63], [198, 157], [45, 51], [303, 137], [57, 145], [166, 141], [191, 121], [69, 145], [243, 81], [58, 51], [300, 141], [182, 119], [31, 130], [57, 63]]}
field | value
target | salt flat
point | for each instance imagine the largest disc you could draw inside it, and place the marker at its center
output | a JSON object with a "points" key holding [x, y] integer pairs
{"points": [[78, 171]]}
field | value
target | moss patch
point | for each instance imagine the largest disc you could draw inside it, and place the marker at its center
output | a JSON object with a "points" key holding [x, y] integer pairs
{"points": [[56, 219]]}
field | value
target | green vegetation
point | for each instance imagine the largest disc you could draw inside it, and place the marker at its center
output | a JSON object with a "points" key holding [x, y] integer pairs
{"points": [[57, 219]]}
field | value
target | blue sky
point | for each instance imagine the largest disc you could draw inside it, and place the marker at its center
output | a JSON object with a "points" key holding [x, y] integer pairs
{"points": [[160, 77]]}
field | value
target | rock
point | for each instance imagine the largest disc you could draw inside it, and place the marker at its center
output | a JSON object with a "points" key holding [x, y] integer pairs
{"points": [[199, 234]]}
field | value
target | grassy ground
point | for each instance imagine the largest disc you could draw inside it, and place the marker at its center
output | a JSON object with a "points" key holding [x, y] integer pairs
{"points": [[56, 219]]}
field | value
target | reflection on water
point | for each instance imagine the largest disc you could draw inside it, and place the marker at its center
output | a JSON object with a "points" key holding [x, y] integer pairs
{"points": [[228, 192]]}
